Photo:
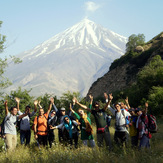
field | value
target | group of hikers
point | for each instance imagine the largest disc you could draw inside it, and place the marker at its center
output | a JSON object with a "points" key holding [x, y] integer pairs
{"points": [[129, 122]]}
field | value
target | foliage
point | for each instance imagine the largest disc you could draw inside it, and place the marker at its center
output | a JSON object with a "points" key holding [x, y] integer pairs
{"points": [[25, 98], [149, 87], [155, 99], [4, 81], [134, 41], [16, 60], [2, 40], [151, 75], [67, 97]]}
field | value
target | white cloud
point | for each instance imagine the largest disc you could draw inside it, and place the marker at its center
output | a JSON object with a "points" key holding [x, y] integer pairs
{"points": [[91, 6]]}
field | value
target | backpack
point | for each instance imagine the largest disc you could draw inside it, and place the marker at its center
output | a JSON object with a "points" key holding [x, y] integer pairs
{"points": [[152, 124], [37, 124], [127, 117], [2, 128]]}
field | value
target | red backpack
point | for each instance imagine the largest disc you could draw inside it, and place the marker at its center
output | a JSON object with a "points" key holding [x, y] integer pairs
{"points": [[152, 124]]}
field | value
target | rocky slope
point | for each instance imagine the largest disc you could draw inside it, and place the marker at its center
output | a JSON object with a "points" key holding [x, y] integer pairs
{"points": [[123, 71]]}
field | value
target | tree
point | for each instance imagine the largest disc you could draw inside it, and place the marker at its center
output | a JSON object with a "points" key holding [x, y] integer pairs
{"points": [[134, 41], [4, 81], [67, 97]]}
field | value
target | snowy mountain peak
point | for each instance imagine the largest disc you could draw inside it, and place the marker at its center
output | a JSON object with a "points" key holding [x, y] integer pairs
{"points": [[85, 34], [71, 60]]}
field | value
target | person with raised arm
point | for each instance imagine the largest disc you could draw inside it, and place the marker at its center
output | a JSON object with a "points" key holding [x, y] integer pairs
{"points": [[25, 132], [52, 121], [71, 128], [10, 126], [143, 129], [85, 124], [120, 121], [101, 125], [41, 125], [60, 113]]}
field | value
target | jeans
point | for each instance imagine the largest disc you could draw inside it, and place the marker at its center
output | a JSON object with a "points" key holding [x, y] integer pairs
{"points": [[106, 137], [25, 136], [144, 142], [91, 142]]}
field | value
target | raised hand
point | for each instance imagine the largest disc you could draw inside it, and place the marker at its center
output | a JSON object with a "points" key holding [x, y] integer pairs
{"points": [[146, 105], [110, 96], [52, 100], [35, 102], [17, 99], [74, 100], [91, 97], [5, 103], [126, 100], [105, 95]]}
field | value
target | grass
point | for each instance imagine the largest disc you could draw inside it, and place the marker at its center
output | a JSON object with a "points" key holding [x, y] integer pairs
{"points": [[59, 153]]}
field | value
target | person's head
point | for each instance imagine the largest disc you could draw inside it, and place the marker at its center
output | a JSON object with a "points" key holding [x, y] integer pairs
{"points": [[122, 105], [96, 105], [63, 111], [66, 119], [138, 111], [117, 106], [52, 113], [14, 110], [81, 112], [132, 111], [41, 111], [27, 108]]}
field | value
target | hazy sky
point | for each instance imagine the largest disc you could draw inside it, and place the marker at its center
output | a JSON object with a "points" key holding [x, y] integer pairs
{"points": [[27, 23]]}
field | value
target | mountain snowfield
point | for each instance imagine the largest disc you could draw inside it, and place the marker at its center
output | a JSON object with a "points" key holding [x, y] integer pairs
{"points": [[71, 60]]}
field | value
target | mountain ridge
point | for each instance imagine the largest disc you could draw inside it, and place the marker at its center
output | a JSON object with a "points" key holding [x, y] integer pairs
{"points": [[69, 60], [123, 71]]}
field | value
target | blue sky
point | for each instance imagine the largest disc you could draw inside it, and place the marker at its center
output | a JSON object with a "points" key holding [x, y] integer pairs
{"points": [[27, 23]]}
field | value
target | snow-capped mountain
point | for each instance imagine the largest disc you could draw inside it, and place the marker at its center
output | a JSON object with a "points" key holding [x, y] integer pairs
{"points": [[71, 60]]}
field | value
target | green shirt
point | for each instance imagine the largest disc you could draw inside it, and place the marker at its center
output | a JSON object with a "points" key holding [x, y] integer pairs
{"points": [[84, 135], [99, 118]]}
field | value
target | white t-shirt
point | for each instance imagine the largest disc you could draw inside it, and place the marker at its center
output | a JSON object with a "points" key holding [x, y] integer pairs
{"points": [[120, 118], [10, 124]]}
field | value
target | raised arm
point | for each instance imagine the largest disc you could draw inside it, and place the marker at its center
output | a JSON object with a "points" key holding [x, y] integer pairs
{"points": [[91, 99], [39, 104], [50, 105], [110, 108], [71, 108], [17, 102], [127, 103], [109, 100], [6, 108], [146, 108], [35, 105], [81, 105]]}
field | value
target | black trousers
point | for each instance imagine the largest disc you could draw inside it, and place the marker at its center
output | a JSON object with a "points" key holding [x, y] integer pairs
{"points": [[120, 137], [42, 140], [51, 137], [74, 139]]}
